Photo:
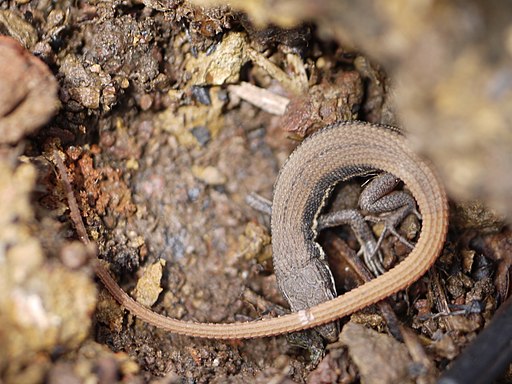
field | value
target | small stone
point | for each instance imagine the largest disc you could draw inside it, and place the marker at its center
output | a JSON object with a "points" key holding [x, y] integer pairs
{"points": [[209, 174]]}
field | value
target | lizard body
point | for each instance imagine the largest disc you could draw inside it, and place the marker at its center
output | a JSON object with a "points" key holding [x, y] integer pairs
{"points": [[331, 155]]}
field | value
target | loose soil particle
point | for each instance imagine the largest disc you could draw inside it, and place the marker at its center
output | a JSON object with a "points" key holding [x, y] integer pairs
{"points": [[28, 92]]}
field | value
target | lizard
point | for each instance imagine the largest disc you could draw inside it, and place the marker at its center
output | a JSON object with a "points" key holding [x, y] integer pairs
{"points": [[333, 154]]}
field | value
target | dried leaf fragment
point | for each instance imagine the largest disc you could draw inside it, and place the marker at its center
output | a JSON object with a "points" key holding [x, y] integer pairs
{"points": [[379, 357]]}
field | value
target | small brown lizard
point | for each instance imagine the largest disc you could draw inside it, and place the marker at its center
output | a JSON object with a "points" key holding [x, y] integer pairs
{"points": [[331, 155]]}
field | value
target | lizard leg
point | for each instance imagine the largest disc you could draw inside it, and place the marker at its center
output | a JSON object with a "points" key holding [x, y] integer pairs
{"points": [[381, 203], [352, 217], [369, 247]]}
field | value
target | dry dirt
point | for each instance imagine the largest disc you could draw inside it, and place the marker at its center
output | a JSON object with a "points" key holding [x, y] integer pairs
{"points": [[167, 115]]}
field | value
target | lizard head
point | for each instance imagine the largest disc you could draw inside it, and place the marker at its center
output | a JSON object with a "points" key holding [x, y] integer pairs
{"points": [[306, 286]]}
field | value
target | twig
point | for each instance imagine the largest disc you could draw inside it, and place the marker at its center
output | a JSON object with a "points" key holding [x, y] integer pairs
{"points": [[260, 97]]}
